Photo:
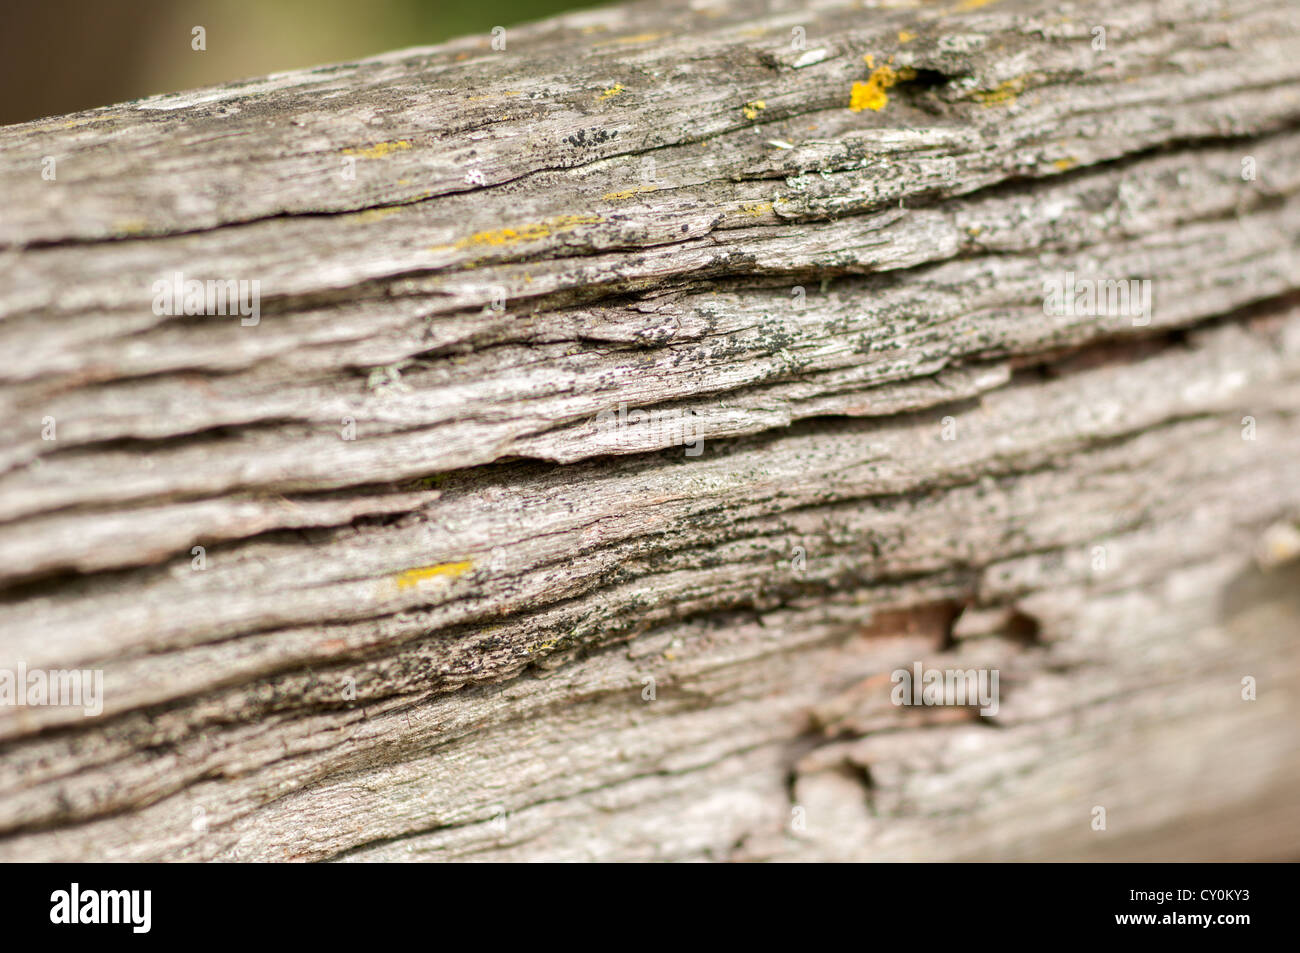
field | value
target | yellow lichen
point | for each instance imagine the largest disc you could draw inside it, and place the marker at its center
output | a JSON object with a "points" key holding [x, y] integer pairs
{"points": [[641, 38], [972, 4], [524, 233], [752, 109], [375, 214], [1004, 94], [379, 149], [627, 193], [610, 93], [1065, 164], [413, 577], [755, 211], [906, 36], [871, 94]]}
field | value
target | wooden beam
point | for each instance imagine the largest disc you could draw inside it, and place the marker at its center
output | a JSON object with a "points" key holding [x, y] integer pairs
{"points": [[553, 452]]}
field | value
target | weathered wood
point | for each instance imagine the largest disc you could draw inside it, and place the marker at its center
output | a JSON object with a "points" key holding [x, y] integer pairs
{"points": [[823, 263]]}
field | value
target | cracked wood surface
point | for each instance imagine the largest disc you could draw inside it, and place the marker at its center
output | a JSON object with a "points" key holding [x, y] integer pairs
{"points": [[433, 641]]}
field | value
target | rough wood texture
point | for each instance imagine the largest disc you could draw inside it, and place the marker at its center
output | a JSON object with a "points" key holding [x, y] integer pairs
{"points": [[432, 641]]}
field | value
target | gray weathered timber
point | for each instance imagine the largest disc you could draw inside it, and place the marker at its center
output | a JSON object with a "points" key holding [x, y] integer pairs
{"points": [[447, 611]]}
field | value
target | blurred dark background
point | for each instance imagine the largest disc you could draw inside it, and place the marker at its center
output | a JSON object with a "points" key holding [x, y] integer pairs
{"points": [[59, 56]]}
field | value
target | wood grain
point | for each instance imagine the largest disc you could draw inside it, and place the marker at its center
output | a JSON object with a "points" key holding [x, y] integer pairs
{"points": [[437, 581]]}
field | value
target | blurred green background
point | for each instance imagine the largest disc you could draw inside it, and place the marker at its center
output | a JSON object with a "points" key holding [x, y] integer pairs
{"points": [[60, 56]]}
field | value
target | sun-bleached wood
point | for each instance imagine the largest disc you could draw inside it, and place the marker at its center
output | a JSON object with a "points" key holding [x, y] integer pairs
{"points": [[437, 640]]}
